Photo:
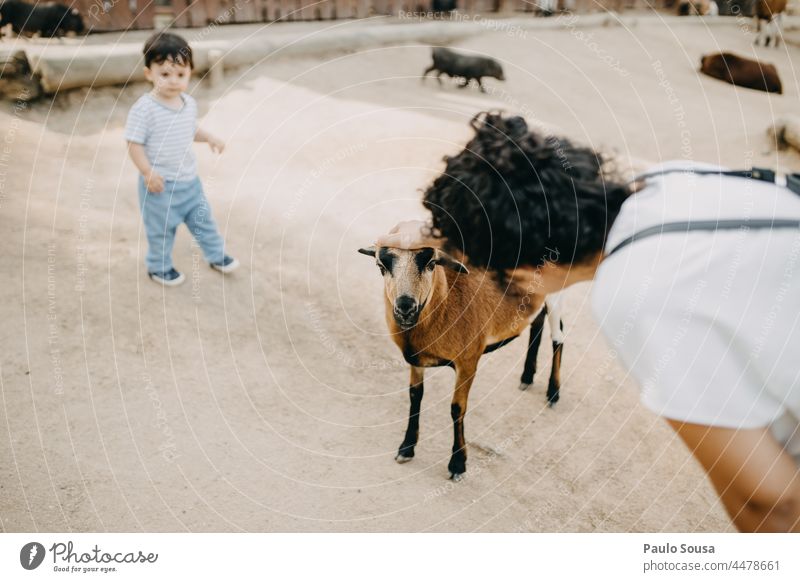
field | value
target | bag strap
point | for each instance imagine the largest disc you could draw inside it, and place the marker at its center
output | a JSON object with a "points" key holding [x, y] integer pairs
{"points": [[760, 174], [706, 225]]}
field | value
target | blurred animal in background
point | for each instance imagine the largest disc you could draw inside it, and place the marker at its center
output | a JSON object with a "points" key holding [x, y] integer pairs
{"points": [[784, 133], [698, 8], [547, 7], [441, 314], [48, 19], [769, 20], [466, 67], [442, 6], [742, 72]]}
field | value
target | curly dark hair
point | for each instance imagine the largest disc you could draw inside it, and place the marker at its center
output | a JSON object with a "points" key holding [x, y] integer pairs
{"points": [[166, 46], [515, 197]]}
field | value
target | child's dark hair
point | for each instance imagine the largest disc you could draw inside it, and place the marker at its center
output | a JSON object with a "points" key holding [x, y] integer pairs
{"points": [[165, 46], [514, 197]]}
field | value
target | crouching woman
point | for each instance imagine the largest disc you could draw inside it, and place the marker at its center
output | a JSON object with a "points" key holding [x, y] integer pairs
{"points": [[696, 276]]}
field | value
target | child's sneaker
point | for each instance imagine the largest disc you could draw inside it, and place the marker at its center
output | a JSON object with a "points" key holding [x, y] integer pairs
{"points": [[169, 278], [226, 265]]}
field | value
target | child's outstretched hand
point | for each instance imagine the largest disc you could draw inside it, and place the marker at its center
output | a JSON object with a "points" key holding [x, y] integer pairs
{"points": [[217, 145], [154, 183]]}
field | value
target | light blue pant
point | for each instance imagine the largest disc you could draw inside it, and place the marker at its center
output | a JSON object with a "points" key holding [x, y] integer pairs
{"points": [[162, 214]]}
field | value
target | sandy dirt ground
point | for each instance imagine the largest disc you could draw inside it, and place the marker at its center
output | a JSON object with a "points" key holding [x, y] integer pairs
{"points": [[273, 399]]}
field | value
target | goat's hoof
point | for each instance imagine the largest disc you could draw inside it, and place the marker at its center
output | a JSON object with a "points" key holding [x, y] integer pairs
{"points": [[551, 402], [403, 459], [523, 386], [456, 477]]}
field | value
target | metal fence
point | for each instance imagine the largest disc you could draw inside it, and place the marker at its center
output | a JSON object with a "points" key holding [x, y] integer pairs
{"points": [[105, 15]]}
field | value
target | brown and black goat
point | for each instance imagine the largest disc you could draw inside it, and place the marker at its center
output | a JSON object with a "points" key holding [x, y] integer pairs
{"points": [[771, 12], [440, 314]]}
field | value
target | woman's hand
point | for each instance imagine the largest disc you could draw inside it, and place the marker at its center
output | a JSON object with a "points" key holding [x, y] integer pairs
{"points": [[756, 479], [408, 235]]}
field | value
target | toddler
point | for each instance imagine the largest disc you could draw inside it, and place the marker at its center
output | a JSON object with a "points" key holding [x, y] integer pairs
{"points": [[160, 130]]}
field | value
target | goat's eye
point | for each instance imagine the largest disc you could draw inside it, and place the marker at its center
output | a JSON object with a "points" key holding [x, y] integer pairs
{"points": [[431, 266]]}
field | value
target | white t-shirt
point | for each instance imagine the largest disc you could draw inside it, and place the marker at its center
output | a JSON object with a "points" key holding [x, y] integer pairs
{"points": [[708, 323], [166, 134]]}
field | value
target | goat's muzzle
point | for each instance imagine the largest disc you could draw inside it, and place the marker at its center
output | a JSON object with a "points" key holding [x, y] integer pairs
{"points": [[406, 312]]}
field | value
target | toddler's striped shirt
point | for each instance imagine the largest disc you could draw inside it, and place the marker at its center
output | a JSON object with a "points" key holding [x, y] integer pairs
{"points": [[166, 134]]}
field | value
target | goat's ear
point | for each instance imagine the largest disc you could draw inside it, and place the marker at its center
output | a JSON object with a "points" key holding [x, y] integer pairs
{"points": [[449, 262], [370, 251]]}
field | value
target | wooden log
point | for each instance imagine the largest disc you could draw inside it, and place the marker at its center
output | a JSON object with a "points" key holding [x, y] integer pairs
{"points": [[17, 81], [215, 73]]}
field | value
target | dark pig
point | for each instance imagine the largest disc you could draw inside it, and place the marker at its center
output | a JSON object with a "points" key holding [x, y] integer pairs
{"points": [[467, 67], [442, 6], [48, 19], [742, 72]]}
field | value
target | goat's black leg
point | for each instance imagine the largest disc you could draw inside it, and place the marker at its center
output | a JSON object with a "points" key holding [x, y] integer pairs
{"points": [[415, 391], [428, 70], [557, 335], [554, 386], [533, 350], [458, 408]]}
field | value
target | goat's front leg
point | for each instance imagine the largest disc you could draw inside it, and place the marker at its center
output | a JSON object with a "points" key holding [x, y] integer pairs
{"points": [[777, 28], [533, 350], [557, 335], [465, 374], [415, 390]]}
